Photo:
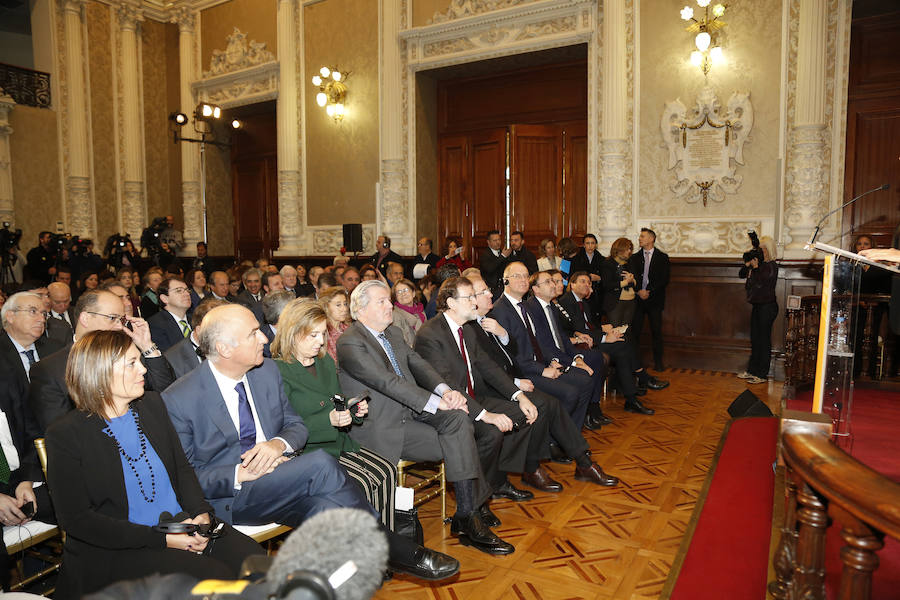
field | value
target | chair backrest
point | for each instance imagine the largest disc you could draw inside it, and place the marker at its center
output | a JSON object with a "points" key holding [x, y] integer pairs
{"points": [[41, 448]]}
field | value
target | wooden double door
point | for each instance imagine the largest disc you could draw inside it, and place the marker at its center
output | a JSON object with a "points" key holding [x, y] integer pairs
{"points": [[534, 174]]}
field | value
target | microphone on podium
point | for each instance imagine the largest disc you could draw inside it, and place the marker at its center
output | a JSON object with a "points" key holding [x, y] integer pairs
{"points": [[812, 239]]}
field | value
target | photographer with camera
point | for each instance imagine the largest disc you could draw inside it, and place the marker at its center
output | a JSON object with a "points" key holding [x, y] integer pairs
{"points": [[761, 272], [41, 260]]}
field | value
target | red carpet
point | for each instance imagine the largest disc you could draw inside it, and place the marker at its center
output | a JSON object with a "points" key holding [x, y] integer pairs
{"points": [[875, 424], [729, 550]]}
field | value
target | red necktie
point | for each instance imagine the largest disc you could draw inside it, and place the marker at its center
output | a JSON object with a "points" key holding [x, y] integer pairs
{"points": [[462, 350], [584, 314]]}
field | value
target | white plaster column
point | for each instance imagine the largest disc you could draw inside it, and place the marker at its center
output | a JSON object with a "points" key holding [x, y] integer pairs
{"points": [[807, 197], [79, 202], [396, 211], [7, 212], [613, 215], [133, 210], [290, 210], [190, 153]]}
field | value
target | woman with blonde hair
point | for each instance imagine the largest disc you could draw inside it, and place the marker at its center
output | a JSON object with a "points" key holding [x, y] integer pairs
{"points": [[114, 466], [761, 276], [618, 283], [335, 301], [548, 259]]}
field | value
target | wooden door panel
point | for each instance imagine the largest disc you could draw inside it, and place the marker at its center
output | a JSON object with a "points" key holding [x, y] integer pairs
{"points": [[487, 209], [536, 180], [575, 180], [249, 191], [452, 197]]}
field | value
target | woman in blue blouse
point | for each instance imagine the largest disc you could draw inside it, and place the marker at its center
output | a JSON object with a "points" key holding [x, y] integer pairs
{"points": [[114, 465]]}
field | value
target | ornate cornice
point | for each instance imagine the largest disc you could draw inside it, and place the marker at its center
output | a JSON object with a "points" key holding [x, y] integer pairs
{"points": [[244, 73]]}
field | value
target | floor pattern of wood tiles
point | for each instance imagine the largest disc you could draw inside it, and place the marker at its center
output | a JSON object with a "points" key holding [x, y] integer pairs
{"points": [[593, 542]]}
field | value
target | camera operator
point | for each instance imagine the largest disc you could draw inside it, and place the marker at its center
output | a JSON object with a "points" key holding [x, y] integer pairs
{"points": [[11, 260], [41, 260], [761, 272]]}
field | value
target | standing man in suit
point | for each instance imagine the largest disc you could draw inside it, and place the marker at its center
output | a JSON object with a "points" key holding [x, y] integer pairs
{"points": [[48, 395], [493, 260], [252, 295], [170, 325], [650, 266], [518, 252], [573, 388], [384, 255], [185, 356], [589, 259], [413, 413], [241, 434], [425, 257]]}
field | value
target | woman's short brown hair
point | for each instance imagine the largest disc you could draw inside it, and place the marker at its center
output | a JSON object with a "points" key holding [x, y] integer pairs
{"points": [[89, 371], [619, 245], [297, 319], [328, 294], [408, 284]]}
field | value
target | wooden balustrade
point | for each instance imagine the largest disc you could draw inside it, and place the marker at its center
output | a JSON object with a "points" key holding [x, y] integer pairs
{"points": [[823, 483], [801, 340]]}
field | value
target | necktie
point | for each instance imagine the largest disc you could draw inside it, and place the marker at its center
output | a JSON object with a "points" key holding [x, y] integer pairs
{"points": [[199, 352], [538, 355], [30, 355], [390, 352], [552, 324], [646, 278], [245, 419], [584, 314], [185, 329], [4, 468], [462, 350]]}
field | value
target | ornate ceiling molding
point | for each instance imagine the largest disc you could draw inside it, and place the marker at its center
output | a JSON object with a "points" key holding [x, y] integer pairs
{"points": [[478, 30], [244, 73]]}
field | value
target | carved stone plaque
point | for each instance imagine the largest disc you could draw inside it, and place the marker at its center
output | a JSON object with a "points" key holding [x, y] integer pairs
{"points": [[705, 153]]}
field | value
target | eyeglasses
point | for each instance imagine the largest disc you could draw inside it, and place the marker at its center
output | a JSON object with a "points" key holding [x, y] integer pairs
{"points": [[517, 276], [471, 297], [483, 293], [111, 318], [32, 311], [404, 291]]}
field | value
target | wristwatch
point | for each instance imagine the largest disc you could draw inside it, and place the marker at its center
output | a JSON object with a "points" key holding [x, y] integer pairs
{"points": [[146, 353]]}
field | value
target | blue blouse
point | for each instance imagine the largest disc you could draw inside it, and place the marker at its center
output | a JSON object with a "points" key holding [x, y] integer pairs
{"points": [[147, 482]]}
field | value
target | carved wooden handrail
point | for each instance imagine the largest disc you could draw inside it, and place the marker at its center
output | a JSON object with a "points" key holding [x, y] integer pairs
{"points": [[823, 481]]}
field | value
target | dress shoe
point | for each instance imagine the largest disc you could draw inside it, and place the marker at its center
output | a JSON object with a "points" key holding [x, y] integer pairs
{"points": [[488, 517], [604, 420], [595, 474], [634, 405], [558, 456], [427, 564], [656, 384], [591, 425], [507, 490], [472, 531], [541, 481]]}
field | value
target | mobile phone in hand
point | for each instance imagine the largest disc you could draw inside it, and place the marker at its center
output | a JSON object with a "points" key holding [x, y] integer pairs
{"points": [[340, 404], [28, 509]]}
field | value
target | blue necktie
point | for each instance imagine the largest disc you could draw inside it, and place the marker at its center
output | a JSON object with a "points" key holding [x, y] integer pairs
{"points": [[245, 418], [390, 352], [30, 355]]}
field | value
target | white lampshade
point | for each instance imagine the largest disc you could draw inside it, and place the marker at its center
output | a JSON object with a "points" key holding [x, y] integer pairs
{"points": [[716, 55], [687, 13], [718, 10], [321, 98], [696, 58], [703, 3], [336, 75], [702, 41], [339, 109], [325, 71], [330, 110], [316, 80]]}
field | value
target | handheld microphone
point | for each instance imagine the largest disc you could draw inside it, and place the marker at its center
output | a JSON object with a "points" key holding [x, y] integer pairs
{"points": [[842, 206]]}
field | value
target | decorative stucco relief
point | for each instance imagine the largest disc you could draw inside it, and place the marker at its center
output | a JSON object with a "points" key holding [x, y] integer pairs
{"points": [[244, 73], [459, 9], [239, 54], [707, 238]]}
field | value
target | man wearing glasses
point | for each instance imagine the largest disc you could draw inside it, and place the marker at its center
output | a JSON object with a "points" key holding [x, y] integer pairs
{"points": [[95, 310], [22, 342], [172, 324]]}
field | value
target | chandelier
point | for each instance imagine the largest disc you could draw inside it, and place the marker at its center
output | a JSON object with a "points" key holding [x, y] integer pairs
{"points": [[708, 52]]}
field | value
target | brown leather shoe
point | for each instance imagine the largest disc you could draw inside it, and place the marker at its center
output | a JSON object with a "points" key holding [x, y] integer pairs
{"points": [[541, 481], [595, 474]]}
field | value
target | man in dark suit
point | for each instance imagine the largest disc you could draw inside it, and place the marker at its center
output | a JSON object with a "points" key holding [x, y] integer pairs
{"points": [[425, 257], [518, 252], [572, 388], [202, 262], [170, 325], [41, 260], [384, 255], [252, 294], [60, 321], [218, 286], [241, 434], [457, 354], [589, 260], [493, 260], [650, 266], [22, 341], [413, 413], [48, 395], [185, 356]]}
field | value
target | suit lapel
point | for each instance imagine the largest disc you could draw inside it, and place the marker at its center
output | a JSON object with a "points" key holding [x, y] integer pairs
{"points": [[376, 347], [216, 408]]}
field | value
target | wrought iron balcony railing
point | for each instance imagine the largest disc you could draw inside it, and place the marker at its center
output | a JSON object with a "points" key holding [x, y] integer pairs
{"points": [[25, 86]]}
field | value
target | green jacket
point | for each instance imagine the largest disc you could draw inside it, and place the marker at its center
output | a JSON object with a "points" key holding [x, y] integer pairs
{"points": [[311, 398]]}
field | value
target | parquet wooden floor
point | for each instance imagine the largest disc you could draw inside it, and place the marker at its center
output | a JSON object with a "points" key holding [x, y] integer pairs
{"points": [[600, 543]]}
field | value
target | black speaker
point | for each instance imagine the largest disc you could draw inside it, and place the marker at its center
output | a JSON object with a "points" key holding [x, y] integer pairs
{"points": [[353, 237], [748, 405]]}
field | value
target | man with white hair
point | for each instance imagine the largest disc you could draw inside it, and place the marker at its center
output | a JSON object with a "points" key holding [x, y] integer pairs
{"points": [[413, 413], [289, 278], [22, 342]]}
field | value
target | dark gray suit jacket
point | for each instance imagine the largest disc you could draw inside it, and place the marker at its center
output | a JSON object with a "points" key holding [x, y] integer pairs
{"points": [[164, 330], [182, 357], [363, 365], [208, 435], [246, 298]]}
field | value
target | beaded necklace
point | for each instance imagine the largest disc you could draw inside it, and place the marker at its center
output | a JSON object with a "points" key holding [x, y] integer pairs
{"points": [[142, 439]]}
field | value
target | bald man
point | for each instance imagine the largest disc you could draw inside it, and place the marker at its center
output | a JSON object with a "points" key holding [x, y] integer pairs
{"points": [[61, 320]]}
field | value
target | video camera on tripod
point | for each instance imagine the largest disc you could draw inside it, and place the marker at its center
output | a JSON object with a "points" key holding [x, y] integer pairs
{"points": [[116, 248], [151, 240], [9, 240]]}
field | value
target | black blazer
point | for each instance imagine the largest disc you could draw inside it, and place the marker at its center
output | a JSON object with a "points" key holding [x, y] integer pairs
{"points": [[610, 274], [164, 330], [431, 259], [437, 344], [48, 395], [22, 426], [88, 488], [391, 256], [565, 353], [658, 275], [44, 345], [246, 298], [182, 357], [492, 269], [526, 257], [490, 345], [592, 266], [509, 317]]}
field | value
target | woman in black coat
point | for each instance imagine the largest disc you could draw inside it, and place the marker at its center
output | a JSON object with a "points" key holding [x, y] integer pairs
{"points": [[108, 509]]}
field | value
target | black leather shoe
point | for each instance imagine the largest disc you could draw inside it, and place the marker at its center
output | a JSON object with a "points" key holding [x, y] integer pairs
{"points": [[604, 420], [507, 490], [472, 531], [488, 517], [656, 384], [427, 564], [634, 405], [541, 481], [595, 474], [591, 425], [558, 456]]}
